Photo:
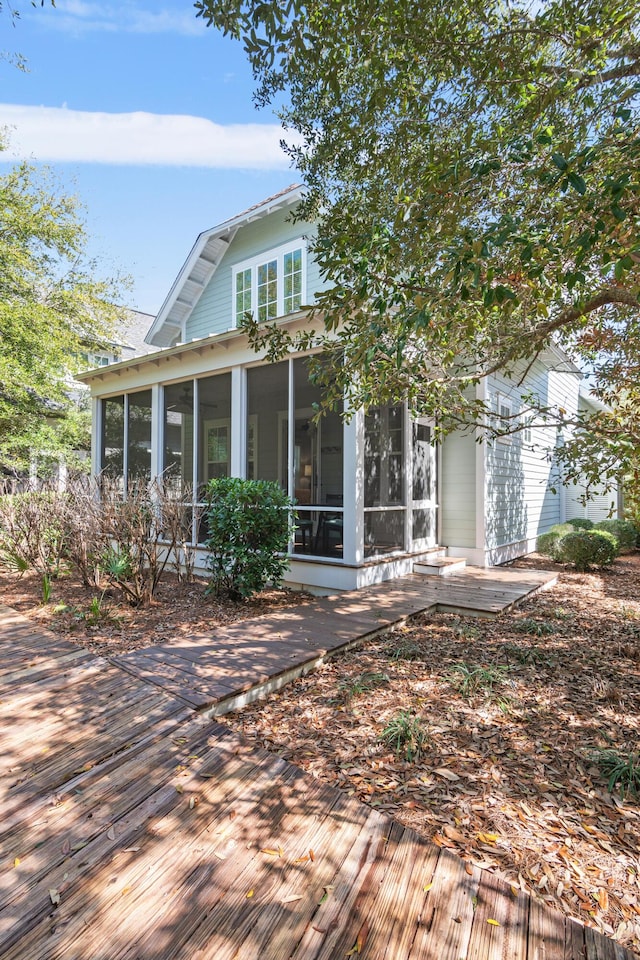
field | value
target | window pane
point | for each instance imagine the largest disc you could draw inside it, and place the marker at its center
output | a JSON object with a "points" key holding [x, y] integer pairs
{"points": [[112, 453], [214, 418], [384, 456], [292, 281], [178, 434], [243, 294], [318, 447], [267, 423], [268, 290], [139, 451], [383, 531]]}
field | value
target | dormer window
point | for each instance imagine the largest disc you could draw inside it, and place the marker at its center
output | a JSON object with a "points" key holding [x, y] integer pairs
{"points": [[271, 285]]}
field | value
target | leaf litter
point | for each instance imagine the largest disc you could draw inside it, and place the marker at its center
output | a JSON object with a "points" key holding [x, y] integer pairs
{"points": [[508, 780]]}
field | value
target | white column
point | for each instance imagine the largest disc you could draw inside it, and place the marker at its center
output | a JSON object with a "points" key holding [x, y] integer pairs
{"points": [[481, 481], [408, 479], [157, 432], [96, 435], [238, 422], [353, 489]]}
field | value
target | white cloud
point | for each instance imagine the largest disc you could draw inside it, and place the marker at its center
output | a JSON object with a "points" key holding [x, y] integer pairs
{"points": [[82, 16], [56, 134]]}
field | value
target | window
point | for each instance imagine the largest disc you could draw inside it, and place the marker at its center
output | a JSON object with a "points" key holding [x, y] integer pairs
{"points": [[505, 416], [270, 285], [243, 294]]}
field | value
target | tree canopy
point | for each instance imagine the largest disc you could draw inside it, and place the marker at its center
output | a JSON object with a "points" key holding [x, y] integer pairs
{"points": [[52, 311], [474, 171]]}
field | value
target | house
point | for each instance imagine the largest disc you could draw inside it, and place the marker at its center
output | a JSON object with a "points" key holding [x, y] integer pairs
{"points": [[374, 494]]}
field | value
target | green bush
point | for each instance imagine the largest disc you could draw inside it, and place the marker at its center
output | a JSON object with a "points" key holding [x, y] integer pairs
{"points": [[588, 548], [548, 543], [581, 523], [248, 523], [624, 532]]}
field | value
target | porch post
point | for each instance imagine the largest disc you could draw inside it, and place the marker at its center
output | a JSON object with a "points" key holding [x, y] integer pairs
{"points": [[156, 432], [238, 422], [96, 436], [353, 489]]}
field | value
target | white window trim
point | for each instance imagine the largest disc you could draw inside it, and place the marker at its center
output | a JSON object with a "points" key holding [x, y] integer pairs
{"points": [[276, 253]]}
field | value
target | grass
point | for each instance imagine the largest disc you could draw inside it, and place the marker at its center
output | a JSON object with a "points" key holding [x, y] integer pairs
{"points": [[469, 679], [407, 735], [364, 682], [621, 769], [534, 628]]}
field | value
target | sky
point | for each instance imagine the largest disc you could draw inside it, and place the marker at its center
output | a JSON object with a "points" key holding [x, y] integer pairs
{"points": [[147, 116]]}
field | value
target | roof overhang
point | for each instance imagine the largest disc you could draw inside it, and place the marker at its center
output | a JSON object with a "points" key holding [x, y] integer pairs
{"points": [[202, 263]]}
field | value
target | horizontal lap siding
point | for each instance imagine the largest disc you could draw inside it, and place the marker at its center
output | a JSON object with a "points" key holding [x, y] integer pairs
{"points": [[521, 503], [214, 311], [458, 491]]}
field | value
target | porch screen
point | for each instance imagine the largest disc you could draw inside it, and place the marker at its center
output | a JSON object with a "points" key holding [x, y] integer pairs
{"points": [[267, 423], [139, 437], [384, 480], [112, 452]]}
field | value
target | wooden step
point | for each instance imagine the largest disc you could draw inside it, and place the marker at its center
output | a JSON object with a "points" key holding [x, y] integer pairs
{"points": [[440, 566]]}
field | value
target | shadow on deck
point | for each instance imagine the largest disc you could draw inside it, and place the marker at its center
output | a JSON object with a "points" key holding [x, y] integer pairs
{"points": [[132, 827]]}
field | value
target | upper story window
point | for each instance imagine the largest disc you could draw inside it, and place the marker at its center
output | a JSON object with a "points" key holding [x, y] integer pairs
{"points": [[270, 285]]}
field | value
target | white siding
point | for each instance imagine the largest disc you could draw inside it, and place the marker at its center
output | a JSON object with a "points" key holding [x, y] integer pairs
{"points": [[457, 491], [524, 497]]}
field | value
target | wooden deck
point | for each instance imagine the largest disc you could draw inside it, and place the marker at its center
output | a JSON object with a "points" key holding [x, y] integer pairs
{"points": [[133, 827], [221, 670]]}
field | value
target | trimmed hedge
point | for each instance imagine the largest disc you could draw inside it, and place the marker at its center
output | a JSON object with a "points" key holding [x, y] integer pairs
{"points": [[588, 548], [581, 523], [547, 543], [624, 532]]}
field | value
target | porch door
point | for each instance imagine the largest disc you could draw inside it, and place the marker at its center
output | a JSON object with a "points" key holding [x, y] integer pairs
{"points": [[423, 485]]}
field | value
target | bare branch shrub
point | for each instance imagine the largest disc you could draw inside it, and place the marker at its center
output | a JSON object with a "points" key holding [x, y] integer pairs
{"points": [[33, 531]]}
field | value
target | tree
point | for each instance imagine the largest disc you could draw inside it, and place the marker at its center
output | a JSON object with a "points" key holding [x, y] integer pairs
{"points": [[474, 171], [51, 307]]}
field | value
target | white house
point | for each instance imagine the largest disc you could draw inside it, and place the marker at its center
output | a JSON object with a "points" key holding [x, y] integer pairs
{"points": [[374, 494]]}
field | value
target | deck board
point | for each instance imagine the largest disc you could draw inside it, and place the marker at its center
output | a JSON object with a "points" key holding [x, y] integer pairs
{"points": [[164, 834]]}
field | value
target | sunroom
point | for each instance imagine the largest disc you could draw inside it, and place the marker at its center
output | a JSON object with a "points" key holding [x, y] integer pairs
{"points": [[364, 486]]}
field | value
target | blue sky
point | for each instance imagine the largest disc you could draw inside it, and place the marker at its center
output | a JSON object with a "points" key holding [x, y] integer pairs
{"points": [[147, 116]]}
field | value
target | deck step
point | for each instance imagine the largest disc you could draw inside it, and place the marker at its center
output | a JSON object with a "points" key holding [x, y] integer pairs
{"points": [[440, 566]]}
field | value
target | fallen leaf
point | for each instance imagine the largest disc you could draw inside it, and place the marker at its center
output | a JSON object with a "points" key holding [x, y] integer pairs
{"points": [[312, 854], [493, 923], [446, 773], [273, 853], [111, 833], [250, 894], [427, 887], [361, 939], [54, 896], [292, 898], [193, 802], [16, 862]]}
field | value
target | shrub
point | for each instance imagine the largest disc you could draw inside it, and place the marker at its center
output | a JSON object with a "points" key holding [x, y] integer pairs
{"points": [[624, 532], [32, 531], [621, 769], [547, 543], [581, 523], [248, 532], [588, 548]]}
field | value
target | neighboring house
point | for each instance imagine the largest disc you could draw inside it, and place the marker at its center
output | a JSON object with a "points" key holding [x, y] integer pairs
{"points": [[374, 494]]}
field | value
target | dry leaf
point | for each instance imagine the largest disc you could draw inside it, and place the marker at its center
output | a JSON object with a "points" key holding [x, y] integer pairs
{"points": [[361, 939], [446, 773], [16, 862], [493, 923], [54, 896], [250, 894], [273, 853], [292, 898], [111, 833]]}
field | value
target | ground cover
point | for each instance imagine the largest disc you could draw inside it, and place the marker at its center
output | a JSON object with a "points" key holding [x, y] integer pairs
{"points": [[486, 736], [103, 622], [509, 719]]}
